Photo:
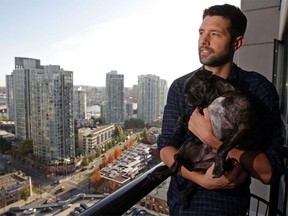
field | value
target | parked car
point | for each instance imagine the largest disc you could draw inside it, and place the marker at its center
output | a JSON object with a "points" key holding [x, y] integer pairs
{"points": [[74, 213], [83, 169], [29, 211], [79, 209], [57, 181], [66, 206], [84, 206], [47, 209]]}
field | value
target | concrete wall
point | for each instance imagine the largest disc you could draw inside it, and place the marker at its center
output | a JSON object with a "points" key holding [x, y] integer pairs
{"points": [[263, 24], [257, 51]]}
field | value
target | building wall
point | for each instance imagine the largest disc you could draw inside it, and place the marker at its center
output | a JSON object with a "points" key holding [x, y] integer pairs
{"points": [[266, 22], [115, 97], [10, 96], [79, 102], [148, 97], [11, 186], [43, 102], [151, 99], [256, 54], [89, 139]]}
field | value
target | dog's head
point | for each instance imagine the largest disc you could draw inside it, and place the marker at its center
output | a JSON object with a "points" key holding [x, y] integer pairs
{"points": [[198, 89]]}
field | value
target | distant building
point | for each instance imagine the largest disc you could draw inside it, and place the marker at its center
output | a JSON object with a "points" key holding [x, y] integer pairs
{"points": [[9, 97], [114, 108], [89, 139], [128, 165], [163, 91], [79, 104], [152, 93], [128, 110], [42, 100]]}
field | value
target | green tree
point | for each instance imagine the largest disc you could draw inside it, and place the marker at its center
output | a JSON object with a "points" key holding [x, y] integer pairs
{"points": [[119, 134], [98, 151], [134, 123], [25, 193], [138, 138], [100, 120], [25, 147], [85, 161], [144, 133]]}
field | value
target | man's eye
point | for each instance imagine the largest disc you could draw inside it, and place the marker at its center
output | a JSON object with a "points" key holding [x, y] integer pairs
{"points": [[215, 34]]}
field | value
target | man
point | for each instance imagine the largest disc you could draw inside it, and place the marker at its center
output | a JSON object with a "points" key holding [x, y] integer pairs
{"points": [[220, 35]]}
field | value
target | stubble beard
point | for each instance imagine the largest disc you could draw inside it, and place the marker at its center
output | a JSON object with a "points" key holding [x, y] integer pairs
{"points": [[215, 60]]}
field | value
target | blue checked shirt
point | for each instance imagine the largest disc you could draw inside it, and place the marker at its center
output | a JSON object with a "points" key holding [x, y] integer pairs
{"points": [[223, 202]]}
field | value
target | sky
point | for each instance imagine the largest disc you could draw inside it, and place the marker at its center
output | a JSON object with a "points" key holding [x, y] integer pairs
{"points": [[94, 37]]}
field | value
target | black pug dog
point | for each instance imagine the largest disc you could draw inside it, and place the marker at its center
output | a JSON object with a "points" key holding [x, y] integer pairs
{"points": [[233, 121]]}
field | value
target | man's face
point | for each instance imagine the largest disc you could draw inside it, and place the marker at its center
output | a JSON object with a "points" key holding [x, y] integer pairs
{"points": [[214, 43]]}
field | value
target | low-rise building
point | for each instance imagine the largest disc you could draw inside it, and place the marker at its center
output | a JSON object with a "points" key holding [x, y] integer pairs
{"points": [[89, 139], [128, 165], [11, 186]]}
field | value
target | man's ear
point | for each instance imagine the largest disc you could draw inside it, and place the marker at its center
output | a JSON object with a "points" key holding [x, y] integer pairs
{"points": [[238, 42]]}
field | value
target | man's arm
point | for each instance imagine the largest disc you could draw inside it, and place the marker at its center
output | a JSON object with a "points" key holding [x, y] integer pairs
{"points": [[229, 180], [255, 163]]}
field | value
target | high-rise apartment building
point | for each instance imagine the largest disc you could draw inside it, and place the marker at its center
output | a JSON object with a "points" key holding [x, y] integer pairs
{"points": [[152, 93], [114, 109], [79, 104], [128, 110], [10, 95], [43, 104], [163, 91]]}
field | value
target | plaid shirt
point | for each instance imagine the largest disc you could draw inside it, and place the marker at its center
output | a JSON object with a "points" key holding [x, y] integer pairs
{"points": [[223, 202]]}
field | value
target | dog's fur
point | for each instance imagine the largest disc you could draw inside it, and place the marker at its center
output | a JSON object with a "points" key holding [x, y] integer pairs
{"points": [[232, 118]]}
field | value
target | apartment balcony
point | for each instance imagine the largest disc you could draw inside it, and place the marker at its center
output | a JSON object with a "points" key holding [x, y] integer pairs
{"points": [[126, 197]]}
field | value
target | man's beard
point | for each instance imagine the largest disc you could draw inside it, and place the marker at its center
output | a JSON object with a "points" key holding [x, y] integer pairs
{"points": [[215, 60]]}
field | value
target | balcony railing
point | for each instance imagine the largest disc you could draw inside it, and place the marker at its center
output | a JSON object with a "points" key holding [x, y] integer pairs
{"points": [[124, 198], [127, 196]]}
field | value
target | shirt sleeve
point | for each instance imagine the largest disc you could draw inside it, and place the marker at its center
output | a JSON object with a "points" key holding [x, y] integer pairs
{"points": [[172, 110], [272, 131]]}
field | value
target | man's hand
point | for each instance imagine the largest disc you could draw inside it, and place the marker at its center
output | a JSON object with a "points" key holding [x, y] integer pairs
{"points": [[229, 180], [200, 125]]}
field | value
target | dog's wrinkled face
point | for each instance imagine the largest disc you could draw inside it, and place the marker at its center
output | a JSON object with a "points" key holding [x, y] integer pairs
{"points": [[197, 89]]}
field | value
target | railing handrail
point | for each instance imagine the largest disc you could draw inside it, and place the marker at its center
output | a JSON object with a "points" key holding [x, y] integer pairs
{"points": [[127, 196]]}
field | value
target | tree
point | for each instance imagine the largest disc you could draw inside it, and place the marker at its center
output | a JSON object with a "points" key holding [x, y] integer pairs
{"points": [[25, 193], [100, 120], [85, 161], [98, 151], [119, 134], [105, 160], [134, 123], [129, 143], [111, 158], [117, 153], [95, 179], [144, 133], [25, 147], [138, 137]]}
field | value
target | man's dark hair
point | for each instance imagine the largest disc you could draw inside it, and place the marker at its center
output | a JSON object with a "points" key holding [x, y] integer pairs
{"points": [[237, 18]]}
